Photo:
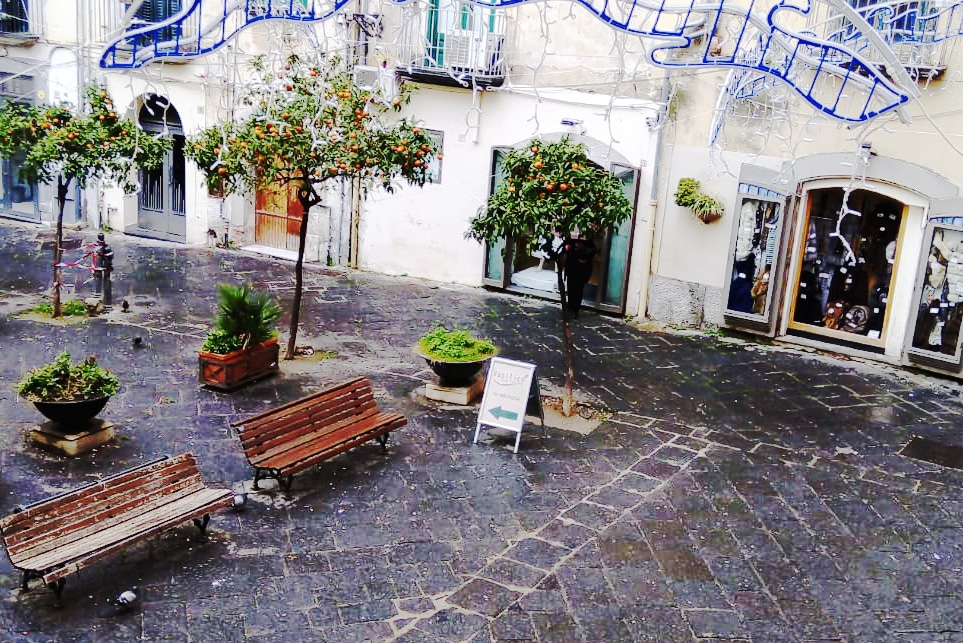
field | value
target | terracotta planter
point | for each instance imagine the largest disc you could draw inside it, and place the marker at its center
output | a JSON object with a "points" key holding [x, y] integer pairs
{"points": [[709, 217], [230, 371], [454, 374], [72, 413]]}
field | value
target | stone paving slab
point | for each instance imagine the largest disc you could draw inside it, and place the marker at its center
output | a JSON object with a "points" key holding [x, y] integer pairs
{"points": [[734, 493]]}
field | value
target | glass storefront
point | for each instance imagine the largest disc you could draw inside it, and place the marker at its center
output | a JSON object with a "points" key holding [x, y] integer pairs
{"points": [[938, 310], [847, 261], [510, 266]]}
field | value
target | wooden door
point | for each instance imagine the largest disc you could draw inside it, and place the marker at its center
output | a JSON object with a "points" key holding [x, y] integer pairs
{"points": [[277, 216]]}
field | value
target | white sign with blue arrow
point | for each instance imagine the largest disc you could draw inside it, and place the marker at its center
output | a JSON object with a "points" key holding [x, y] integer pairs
{"points": [[508, 389]]}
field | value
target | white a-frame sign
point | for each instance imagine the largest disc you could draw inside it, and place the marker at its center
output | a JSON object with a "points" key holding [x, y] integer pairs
{"points": [[511, 392]]}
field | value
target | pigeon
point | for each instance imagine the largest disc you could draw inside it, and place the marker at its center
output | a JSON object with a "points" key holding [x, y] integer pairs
{"points": [[125, 601], [138, 342], [240, 499], [125, 306]]}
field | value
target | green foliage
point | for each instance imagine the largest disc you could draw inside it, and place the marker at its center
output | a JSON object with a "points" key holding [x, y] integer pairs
{"points": [[94, 143], [457, 345], [310, 123], [221, 342], [72, 308], [245, 318], [61, 381], [551, 188], [688, 195]]}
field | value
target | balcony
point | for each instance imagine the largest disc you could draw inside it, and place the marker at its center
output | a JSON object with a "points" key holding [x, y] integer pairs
{"points": [[455, 45], [915, 32], [17, 19]]}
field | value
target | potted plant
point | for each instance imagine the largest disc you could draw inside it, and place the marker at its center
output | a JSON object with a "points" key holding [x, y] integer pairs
{"points": [[243, 346], [688, 195], [69, 393], [455, 356]]}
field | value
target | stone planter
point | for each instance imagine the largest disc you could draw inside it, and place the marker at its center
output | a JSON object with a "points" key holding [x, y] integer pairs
{"points": [[230, 371], [72, 429]]}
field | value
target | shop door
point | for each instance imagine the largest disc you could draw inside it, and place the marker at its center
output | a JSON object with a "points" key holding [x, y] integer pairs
{"points": [[847, 265], [277, 216]]}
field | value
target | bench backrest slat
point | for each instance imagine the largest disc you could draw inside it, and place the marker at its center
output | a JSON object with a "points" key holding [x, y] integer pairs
{"points": [[308, 400], [292, 442], [317, 424], [352, 402], [65, 542], [97, 505], [312, 415]]}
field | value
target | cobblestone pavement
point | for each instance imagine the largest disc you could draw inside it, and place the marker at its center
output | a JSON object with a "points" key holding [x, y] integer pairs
{"points": [[735, 492]]}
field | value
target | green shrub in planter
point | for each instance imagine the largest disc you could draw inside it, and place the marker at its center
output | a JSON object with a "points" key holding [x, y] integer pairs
{"points": [[63, 381], [457, 345]]}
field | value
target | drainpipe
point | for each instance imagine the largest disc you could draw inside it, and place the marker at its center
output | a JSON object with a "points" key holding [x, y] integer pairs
{"points": [[648, 232]]}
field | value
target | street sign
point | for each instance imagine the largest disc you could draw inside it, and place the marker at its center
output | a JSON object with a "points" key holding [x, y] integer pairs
{"points": [[511, 390]]}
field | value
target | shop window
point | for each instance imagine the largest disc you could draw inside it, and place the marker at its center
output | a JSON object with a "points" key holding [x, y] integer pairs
{"points": [[847, 262], [754, 267], [935, 335]]}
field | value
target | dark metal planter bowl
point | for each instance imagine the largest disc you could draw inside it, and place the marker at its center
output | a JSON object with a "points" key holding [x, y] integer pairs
{"points": [[72, 412], [454, 374]]}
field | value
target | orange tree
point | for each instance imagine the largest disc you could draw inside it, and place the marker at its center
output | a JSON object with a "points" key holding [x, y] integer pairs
{"points": [[67, 145], [308, 123], [549, 190]]}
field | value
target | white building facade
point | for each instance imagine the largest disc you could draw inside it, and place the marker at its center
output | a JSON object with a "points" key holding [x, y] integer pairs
{"points": [[831, 138]]}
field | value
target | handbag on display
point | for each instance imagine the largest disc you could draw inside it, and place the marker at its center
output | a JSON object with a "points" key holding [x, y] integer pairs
{"points": [[833, 317]]}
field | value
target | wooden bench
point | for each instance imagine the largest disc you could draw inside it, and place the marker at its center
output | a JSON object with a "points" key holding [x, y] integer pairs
{"points": [[296, 436], [54, 537]]}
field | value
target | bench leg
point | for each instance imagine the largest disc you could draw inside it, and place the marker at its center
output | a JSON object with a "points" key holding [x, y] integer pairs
{"points": [[257, 477], [286, 482], [383, 440], [57, 587], [201, 523], [25, 581]]}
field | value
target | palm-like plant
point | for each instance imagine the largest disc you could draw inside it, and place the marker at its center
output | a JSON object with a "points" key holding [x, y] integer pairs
{"points": [[244, 314]]}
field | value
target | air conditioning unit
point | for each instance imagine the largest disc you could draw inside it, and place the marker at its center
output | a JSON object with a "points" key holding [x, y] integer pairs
{"points": [[472, 51], [380, 81]]}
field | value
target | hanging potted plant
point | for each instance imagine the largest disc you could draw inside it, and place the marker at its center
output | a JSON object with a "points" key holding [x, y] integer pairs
{"points": [[706, 208], [455, 356], [69, 393], [243, 346]]}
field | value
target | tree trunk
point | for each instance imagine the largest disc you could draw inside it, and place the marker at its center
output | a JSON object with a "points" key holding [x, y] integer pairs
{"points": [[58, 245], [308, 198], [568, 404]]}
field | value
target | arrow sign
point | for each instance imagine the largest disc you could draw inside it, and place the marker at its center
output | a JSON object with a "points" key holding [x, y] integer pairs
{"points": [[499, 412], [509, 388]]}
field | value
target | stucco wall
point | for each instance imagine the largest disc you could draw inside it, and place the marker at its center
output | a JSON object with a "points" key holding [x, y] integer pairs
{"points": [[421, 231]]}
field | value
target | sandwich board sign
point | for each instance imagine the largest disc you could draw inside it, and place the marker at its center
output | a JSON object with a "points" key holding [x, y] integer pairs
{"points": [[511, 391]]}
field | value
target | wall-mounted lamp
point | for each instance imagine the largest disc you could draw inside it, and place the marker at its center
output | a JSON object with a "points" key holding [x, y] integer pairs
{"points": [[574, 123]]}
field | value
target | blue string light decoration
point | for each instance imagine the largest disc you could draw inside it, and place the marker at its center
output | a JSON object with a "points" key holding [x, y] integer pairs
{"points": [[846, 69]]}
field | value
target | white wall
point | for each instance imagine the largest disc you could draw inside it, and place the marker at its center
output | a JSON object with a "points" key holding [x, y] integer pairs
{"points": [[421, 231]]}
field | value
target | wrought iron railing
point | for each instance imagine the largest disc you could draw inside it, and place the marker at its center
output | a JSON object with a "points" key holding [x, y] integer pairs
{"points": [[15, 17], [458, 40]]}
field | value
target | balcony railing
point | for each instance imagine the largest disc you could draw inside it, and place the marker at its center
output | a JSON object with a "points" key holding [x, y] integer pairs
{"points": [[915, 32], [15, 17], [462, 44]]}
